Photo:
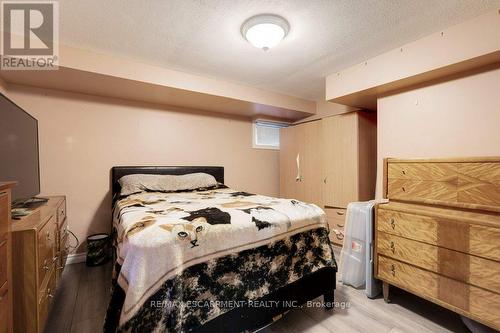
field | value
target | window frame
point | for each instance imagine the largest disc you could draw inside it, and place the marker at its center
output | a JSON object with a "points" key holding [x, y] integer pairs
{"points": [[269, 123]]}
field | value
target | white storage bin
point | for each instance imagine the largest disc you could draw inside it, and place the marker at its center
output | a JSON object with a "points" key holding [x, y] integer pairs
{"points": [[356, 258]]}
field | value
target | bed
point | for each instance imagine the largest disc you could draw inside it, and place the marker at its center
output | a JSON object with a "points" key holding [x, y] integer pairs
{"points": [[213, 259]]}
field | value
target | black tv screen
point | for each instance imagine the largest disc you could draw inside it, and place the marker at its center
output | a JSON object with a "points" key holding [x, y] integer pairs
{"points": [[19, 150]]}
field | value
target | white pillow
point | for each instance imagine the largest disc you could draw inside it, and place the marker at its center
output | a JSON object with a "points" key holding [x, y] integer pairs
{"points": [[164, 183]]}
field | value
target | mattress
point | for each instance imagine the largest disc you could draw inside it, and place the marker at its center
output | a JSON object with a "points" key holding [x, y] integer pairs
{"points": [[185, 258]]}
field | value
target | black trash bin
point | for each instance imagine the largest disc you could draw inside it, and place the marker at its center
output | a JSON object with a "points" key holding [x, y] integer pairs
{"points": [[98, 249]]}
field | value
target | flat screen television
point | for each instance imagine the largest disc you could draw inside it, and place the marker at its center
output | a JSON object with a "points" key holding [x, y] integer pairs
{"points": [[19, 159]]}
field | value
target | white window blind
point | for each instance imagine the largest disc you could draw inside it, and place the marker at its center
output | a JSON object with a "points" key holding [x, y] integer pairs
{"points": [[266, 134]]}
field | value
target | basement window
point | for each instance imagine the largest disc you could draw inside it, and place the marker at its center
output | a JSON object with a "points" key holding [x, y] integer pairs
{"points": [[266, 134]]}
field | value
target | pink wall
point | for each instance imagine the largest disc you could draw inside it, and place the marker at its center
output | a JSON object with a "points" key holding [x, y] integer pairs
{"points": [[82, 137], [456, 118]]}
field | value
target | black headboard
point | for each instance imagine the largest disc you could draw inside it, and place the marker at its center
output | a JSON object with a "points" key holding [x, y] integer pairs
{"points": [[120, 171]]}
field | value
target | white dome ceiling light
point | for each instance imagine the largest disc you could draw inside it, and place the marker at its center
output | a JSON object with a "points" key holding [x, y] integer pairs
{"points": [[265, 30]]}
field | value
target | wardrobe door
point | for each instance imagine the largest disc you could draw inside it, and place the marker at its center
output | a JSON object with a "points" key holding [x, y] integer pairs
{"points": [[289, 150], [340, 159], [309, 185]]}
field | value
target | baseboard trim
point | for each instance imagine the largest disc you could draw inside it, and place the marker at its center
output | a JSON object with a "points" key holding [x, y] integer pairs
{"points": [[76, 258]]}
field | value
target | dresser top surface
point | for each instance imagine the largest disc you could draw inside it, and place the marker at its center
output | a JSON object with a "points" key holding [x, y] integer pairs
{"points": [[37, 218], [479, 159], [6, 185]]}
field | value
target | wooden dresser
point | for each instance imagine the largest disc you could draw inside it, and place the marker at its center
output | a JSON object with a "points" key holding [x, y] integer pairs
{"points": [[439, 235], [5, 258], [39, 257]]}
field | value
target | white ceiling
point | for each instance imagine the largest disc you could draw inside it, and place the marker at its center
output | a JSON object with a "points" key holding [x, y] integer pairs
{"points": [[203, 36]]}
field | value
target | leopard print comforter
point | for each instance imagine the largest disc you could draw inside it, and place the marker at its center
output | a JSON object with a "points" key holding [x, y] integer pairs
{"points": [[185, 258]]}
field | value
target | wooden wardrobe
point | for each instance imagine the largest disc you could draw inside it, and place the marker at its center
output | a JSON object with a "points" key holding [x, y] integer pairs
{"points": [[300, 162], [330, 162]]}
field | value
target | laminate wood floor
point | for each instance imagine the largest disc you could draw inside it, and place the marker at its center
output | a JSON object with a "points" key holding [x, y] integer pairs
{"points": [[81, 301]]}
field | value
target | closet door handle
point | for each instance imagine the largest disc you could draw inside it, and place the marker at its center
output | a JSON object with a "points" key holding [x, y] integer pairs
{"points": [[299, 177]]}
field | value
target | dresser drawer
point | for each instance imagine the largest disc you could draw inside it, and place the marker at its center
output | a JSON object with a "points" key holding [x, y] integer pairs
{"points": [[3, 262], [4, 306], [46, 249], [336, 223], [336, 213], [62, 232], [61, 212], [419, 281], [484, 241], [63, 256], [456, 235], [422, 228], [422, 181], [471, 185], [478, 302], [488, 173], [45, 301], [485, 305], [422, 190], [459, 266], [441, 172], [4, 215], [479, 183], [64, 249]]}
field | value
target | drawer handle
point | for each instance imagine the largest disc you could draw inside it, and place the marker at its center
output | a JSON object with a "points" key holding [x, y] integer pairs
{"points": [[393, 224], [339, 234], [340, 225], [392, 247], [393, 270], [403, 188], [340, 213], [48, 235], [403, 172], [45, 267]]}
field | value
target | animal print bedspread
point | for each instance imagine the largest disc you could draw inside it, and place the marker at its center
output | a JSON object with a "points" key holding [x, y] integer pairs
{"points": [[175, 249]]}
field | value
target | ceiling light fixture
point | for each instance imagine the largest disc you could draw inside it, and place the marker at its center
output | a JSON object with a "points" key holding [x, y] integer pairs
{"points": [[265, 30]]}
